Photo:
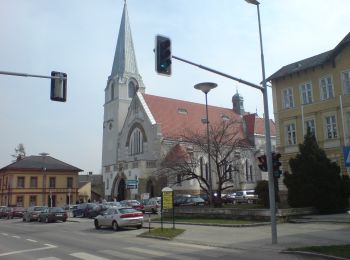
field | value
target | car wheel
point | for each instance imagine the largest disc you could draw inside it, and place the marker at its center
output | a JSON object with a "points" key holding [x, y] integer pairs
{"points": [[154, 211], [139, 226], [39, 219], [64, 220], [97, 226], [115, 226], [27, 219], [23, 219]]}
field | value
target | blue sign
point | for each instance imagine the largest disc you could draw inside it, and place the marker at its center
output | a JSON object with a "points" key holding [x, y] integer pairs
{"points": [[347, 156]]}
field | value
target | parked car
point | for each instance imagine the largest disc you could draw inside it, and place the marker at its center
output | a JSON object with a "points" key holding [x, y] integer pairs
{"points": [[82, 209], [52, 215], [119, 217], [14, 212], [97, 210], [153, 205], [229, 198], [113, 203], [246, 196], [193, 201], [133, 204], [32, 213], [5, 212], [179, 199]]}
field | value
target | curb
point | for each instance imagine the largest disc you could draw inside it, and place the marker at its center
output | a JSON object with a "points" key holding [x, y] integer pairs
{"points": [[313, 254], [215, 225]]}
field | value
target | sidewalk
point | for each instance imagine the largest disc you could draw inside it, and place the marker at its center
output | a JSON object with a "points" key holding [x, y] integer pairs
{"points": [[330, 230]]}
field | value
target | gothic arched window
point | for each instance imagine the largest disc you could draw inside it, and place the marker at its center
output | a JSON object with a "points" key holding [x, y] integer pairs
{"points": [[136, 142], [132, 88]]}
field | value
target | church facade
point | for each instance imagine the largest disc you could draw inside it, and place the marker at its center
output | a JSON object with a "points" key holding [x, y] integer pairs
{"points": [[140, 130]]}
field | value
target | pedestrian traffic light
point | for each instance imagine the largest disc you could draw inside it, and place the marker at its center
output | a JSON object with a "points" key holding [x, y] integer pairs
{"points": [[163, 55], [262, 163], [58, 86], [276, 164]]}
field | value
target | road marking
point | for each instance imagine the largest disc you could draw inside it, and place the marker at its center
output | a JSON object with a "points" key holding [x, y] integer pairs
{"points": [[29, 250], [146, 251], [18, 237], [49, 258], [86, 256], [193, 246], [119, 254], [4, 234], [31, 240]]}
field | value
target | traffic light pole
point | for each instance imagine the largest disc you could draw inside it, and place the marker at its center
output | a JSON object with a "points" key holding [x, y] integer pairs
{"points": [[267, 132], [29, 75]]}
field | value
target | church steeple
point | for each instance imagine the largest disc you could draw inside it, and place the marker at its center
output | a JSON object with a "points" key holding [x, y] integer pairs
{"points": [[124, 57]]}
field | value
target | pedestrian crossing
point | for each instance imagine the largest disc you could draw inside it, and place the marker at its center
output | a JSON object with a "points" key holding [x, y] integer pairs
{"points": [[171, 250]]}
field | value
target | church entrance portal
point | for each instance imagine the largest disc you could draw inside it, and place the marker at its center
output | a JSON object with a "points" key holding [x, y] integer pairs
{"points": [[121, 190], [150, 188]]}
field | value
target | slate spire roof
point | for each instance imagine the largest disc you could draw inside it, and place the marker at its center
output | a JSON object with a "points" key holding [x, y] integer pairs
{"points": [[34, 162], [124, 57]]}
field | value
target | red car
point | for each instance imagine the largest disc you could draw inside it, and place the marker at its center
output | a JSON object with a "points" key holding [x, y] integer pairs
{"points": [[12, 212], [134, 204]]}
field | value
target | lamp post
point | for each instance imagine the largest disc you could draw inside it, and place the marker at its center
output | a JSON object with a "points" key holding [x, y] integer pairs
{"points": [[205, 87], [267, 135]]}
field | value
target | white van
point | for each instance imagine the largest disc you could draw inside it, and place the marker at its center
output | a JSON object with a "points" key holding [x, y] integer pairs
{"points": [[246, 196]]}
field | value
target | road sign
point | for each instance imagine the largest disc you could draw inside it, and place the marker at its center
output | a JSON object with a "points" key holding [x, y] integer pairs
{"points": [[132, 184], [347, 156], [167, 198]]}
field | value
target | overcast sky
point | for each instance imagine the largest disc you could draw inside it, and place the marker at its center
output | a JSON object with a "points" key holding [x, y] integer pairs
{"points": [[79, 37]]}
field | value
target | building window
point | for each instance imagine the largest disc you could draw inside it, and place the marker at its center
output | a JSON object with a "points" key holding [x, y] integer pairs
{"points": [[306, 93], [20, 182], [331, 127], [326, 88], [70, 182], [311, 125], [291, 134], [346, 81], [19, 201], [32, 200], [52, 183], [287, 97], [179, 180], [33, 182], [136, 142], [131, 89]]}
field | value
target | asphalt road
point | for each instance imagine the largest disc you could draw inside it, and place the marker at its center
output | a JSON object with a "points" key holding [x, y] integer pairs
{"points": [[79, 240]]}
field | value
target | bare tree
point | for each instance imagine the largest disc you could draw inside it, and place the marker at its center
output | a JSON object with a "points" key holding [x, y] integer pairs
{"points": [[20, 152], [225, 142]]}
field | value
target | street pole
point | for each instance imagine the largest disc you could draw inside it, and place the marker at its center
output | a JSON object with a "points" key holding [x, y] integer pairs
{"points": [[267, 137], [209, 163]]}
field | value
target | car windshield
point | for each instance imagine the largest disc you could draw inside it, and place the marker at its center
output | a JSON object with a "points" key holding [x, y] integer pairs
{"points": [[56, 210], [239, 193], [127, 210]]}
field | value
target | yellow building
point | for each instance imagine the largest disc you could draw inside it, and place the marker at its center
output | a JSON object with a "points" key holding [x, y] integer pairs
{"points": [[38, 180], [314, 93]]}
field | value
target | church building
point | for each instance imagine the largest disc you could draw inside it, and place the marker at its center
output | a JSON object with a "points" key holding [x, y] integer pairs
{"points": [[140, 130]]}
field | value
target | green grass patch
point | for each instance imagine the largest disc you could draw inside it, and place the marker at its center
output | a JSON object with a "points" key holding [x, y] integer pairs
{"points": [[207, 220], [168, 233], [339, 250]]}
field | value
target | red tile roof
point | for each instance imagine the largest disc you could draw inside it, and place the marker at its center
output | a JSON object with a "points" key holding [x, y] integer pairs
{"points": [[174, 116]]}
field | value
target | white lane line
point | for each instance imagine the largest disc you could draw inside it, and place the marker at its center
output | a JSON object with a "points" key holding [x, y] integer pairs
{"points": [[18, 237], [4, 234], [121, 255], [49, 258], [86, 256], [31, 240], [193, 246], [146, 251], [29, 250]]}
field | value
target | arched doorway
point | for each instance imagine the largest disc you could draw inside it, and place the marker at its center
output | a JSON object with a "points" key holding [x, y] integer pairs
{"points": [[121, 190], [150, 188]]}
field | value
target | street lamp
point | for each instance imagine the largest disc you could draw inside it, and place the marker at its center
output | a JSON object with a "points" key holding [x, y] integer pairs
{"points": [[205, 87], [267, 135]]}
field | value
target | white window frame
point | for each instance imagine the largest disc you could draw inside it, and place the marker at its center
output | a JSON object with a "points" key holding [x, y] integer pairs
{"points": [[291, 134], [312, 124], [306, 96], [331, 129], [287, 97], [326, 87], [345, 81]]}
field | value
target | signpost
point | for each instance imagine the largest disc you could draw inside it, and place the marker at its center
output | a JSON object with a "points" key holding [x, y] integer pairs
{"points": [[346, 151], [132, 184], [167, 203]]}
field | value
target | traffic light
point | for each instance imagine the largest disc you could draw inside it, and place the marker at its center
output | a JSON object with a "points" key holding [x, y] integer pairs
{"points": [[262, 163], [58, 86], [276, 164], [163, 55]]}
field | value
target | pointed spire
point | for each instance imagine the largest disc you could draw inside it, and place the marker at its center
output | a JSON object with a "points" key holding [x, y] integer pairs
{"points": [[124, 57]]}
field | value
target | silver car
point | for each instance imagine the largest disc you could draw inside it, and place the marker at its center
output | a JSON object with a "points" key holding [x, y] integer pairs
{"points": [[119, 217], [32, 213]]}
